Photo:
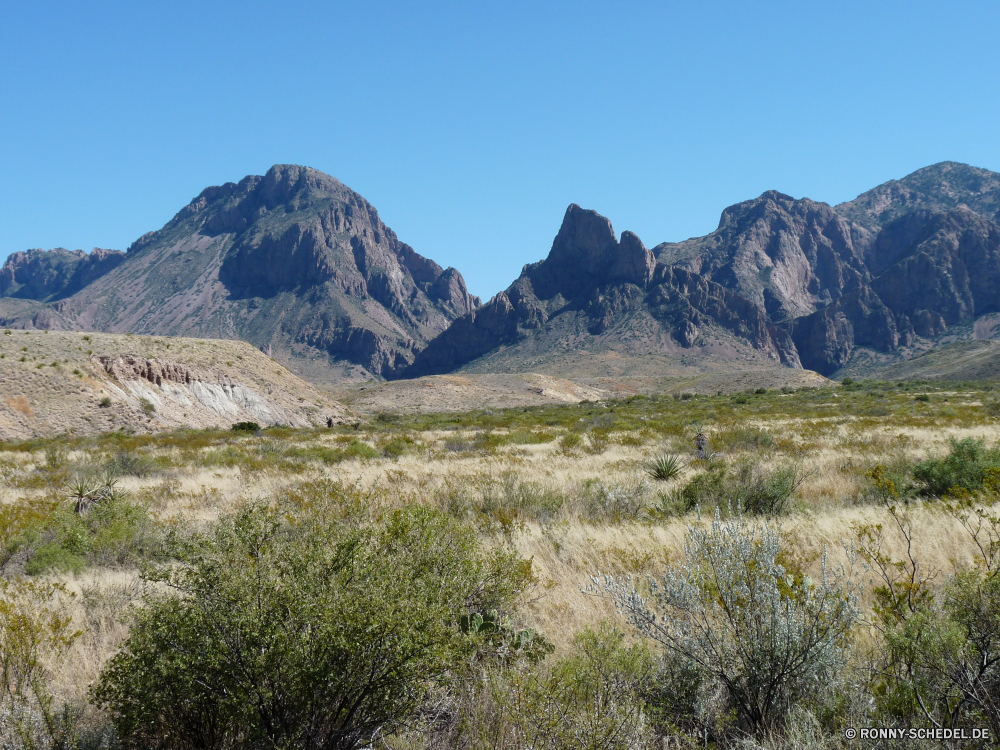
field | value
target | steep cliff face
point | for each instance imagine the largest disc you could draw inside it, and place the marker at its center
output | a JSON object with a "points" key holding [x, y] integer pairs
{"points": [[936, 270], [789, 257], [48, 275], [595, 290], [294, 260]]}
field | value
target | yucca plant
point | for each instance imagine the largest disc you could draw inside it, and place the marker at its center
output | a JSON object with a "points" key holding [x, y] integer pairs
{"points": [[665, 467]]}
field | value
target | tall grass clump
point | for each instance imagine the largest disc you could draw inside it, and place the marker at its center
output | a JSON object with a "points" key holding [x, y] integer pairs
{"points": [[614, 501], [754, 488]]}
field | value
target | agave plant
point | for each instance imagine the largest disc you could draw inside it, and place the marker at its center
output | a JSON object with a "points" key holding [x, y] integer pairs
{"points": [[665, 467], [81, 490]]}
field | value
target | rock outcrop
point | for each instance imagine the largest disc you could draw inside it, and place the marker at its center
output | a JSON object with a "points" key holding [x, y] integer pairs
{"points": [[789, 257], [48, 275], [939, 187]]}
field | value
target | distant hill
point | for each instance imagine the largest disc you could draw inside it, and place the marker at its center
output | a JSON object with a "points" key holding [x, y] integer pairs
{"points": [[961, 360], [53, 382], [293, 261]]}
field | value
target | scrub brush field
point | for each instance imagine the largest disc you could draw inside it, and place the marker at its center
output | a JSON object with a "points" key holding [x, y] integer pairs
{"points": [[831, 556]]}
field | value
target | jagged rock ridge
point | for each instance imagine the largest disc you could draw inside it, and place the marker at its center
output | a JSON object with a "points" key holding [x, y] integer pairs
{"points": [[795, 279], [593, 286]]}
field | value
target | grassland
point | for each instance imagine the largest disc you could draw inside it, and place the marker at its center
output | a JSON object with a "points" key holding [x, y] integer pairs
{"points": [[568, 486]]}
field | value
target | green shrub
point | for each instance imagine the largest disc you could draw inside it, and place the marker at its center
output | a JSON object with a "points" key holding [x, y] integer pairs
{"points": [[302, 635], [246, 427], [397, 446], [527, 437], [147, 406], [598, 441], [570, 440], [105, 402], [967, 467], [489, 441], [116, 531], [359, 449], [457, 444], [939, 661]]}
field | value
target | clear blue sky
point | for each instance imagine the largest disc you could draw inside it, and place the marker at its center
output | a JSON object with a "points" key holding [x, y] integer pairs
{"points": [[471, 125]]}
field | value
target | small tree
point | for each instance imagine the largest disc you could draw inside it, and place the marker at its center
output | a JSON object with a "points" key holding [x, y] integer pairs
{"points": [[301, 634], [768, 636]]}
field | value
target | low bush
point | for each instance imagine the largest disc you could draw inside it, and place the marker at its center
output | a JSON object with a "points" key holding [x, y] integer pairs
{"points": [[733, 439], [570, 440], [397, 446], [968, 467], [501, 501], [764, 636], [458, 444], [614, 502], [116, 531], [245, 427], [598, 441], [301, 633], [529, 437], [127, 463], [747, 485]]}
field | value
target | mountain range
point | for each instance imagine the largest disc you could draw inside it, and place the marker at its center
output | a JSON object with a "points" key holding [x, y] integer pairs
{"points": [[302, 267]]}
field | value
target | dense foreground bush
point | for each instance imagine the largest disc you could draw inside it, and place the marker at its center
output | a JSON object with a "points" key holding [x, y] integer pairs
{"points": [[301, 634]]}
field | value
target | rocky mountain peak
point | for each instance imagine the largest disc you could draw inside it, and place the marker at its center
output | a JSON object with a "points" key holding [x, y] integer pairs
{"points": [[770, 200], [939, 187], [586, 252], [292, 259]]}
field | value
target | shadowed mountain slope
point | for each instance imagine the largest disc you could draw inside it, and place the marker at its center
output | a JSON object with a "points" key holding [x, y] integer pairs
{"points": [[47, 275], [294, 262], [789, 280]]}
